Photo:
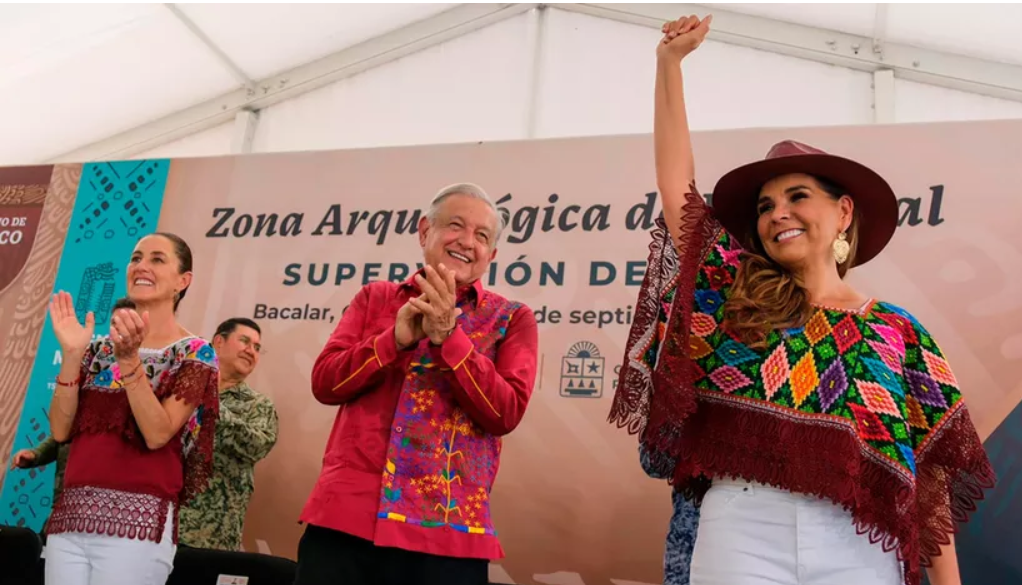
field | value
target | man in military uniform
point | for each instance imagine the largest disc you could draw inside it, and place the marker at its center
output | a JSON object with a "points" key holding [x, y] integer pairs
{"points": [[245, 434]]}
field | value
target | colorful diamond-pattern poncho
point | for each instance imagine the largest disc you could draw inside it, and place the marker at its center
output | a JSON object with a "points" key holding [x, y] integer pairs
{"points": [[860, 407]]}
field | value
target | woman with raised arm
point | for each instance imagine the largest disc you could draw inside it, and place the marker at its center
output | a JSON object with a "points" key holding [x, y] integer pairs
{"points": [[139, 408], [822, 432]]}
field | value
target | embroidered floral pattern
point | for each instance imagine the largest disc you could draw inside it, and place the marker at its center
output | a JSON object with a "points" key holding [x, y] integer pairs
{"points": [[441, 466]]}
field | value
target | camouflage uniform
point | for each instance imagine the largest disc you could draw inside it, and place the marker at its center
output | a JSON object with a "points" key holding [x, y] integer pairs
{"points": [[47, 452], [245, 433]]}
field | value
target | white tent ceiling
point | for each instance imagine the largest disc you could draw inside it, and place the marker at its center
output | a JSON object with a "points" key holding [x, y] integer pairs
{"points": [[84, 81]]}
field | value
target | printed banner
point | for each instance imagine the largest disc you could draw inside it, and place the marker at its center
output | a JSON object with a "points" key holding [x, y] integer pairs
{"points": [[24, 192], [288, 239], [116, 204]]}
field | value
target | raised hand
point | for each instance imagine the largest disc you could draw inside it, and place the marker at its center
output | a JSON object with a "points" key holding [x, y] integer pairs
{"points": [[439, 309], [73, 337], [408, 326], [128, 330], [683, 36]]}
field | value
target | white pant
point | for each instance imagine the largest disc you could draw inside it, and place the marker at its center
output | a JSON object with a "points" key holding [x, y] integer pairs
{"points": [[91, 559], [751, 534]]}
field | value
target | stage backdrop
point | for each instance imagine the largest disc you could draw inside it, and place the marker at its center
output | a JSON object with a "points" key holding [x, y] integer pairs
{"points": [[288, 239]]}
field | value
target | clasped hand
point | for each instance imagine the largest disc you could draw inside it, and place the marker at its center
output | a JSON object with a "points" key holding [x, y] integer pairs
{"points": [[433, 314], [128, 330]]}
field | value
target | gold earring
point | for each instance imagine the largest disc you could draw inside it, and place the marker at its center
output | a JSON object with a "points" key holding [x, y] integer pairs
{"points": [[841, 248]]}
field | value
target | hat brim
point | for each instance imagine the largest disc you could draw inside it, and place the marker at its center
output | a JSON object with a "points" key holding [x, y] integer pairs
{"points": [[736, 194]]}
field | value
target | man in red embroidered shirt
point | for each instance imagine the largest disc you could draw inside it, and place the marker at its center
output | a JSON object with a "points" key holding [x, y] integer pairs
{"points": [[430, 374]]}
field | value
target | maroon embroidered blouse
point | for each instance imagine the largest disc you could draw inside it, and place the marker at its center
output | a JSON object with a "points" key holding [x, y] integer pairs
{"points": [[114, 485]]}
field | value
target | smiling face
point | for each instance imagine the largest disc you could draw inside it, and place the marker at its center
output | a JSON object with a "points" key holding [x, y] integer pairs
{"points": [[238, 351], [798, 220], [461, 236], [154, 272]]}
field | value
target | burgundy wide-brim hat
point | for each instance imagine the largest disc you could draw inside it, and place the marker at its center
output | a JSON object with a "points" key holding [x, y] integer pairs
{"points": [[736, 195]]}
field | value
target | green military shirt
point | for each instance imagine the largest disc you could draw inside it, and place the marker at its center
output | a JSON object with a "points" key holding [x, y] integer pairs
{"points": [[245, 433], [47, 452]]}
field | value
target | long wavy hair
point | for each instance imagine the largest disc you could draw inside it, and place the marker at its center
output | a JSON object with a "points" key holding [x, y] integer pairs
{"points": [[765, 296]]}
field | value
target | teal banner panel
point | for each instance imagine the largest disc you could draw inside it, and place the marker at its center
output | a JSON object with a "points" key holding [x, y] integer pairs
{"points": [[117, 203]]}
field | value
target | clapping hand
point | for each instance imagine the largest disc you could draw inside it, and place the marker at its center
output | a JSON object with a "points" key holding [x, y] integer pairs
{"points": [[408, 325], [683, 36], [439, 309], [73, 337], [128, 330]]}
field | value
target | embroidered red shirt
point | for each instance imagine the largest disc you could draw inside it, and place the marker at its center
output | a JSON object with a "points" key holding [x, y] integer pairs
{"points": [[415, 446]]}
